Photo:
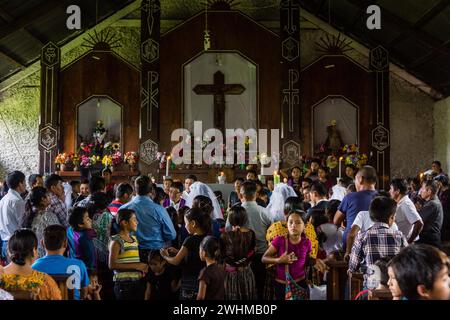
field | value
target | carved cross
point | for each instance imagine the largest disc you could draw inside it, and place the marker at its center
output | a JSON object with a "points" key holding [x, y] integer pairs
{"points": [[219, 89]]}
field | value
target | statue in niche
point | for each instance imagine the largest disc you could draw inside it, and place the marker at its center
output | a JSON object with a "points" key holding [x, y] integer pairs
{"points": [[99, 135], [334, 143]]}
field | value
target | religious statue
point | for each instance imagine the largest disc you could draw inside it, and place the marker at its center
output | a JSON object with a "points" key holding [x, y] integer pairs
{"points": [[334, 141], [99, 138]]}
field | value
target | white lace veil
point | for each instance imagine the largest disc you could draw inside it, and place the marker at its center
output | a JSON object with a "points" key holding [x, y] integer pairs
{"points": [[199, 188], [279, 195]]}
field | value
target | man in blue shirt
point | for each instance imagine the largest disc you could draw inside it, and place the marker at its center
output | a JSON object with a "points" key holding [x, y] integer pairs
{"points": [[155, 228], [54, 263], [353, 203]]}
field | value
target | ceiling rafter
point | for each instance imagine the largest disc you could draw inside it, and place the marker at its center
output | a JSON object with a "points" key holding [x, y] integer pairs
{"points": [[12, 60], [417, 26], [30, 17], [5, 15]]}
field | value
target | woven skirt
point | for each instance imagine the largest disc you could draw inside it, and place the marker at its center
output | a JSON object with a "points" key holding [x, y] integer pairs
{"points": [[240, 285]]}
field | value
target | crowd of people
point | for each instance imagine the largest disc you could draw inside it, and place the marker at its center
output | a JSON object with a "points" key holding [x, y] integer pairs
{"points": [[135, 240]]}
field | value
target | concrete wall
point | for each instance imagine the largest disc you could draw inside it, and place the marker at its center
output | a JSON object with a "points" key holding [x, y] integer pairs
{"points": [[442, 133]]}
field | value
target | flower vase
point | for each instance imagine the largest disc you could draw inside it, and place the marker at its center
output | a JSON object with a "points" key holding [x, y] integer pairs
{"points": [[63, 167], [111, 168], [132, 168]]}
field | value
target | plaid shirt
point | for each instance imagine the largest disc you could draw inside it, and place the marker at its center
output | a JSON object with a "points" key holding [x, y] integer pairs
{"points": [[377, 242], [58, 207]]}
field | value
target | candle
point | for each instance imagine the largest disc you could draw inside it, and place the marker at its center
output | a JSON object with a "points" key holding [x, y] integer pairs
{"points": [[167, 166], [340, 166], [263, 162], [276, 178], [222, 178]]}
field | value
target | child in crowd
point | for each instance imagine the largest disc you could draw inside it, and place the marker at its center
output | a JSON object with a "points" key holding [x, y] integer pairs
{"points": [[237, 249], [182, 233], [162, 279], [124, 259], [36, 217], [419, 272], [380, 240], [198, 224], [211, 278], [79, 236], [290, 253]]}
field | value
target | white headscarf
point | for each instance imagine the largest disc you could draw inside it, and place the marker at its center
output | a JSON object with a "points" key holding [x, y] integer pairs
{"points": [[279, 195], [199, 188]]}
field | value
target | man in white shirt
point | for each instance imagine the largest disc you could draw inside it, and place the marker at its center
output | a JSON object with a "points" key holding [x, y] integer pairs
{"points": [[190, 179], [12, 208], [407, 218]]}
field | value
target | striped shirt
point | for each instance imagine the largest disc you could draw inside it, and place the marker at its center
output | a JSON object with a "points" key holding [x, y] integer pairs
{"points": [[129, 253], [377, 242], [114, 207]]}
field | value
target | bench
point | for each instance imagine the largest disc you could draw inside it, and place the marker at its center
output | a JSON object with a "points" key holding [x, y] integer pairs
{"points": [[61, 280]]}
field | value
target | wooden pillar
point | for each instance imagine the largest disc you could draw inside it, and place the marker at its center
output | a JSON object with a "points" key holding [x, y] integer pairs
{"points": [[49, 116], [380, 139], [149, 116], [290, 81]]}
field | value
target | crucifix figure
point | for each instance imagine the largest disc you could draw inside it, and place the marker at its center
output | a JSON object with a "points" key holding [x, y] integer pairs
{"points": [[219, 89]]}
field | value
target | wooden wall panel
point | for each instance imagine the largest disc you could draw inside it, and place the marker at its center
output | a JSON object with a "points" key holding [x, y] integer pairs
{"points": [[104, 75], [230, 30]]}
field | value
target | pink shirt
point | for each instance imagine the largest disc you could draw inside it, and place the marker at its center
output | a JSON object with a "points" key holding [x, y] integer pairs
{"points": [[301, 250]]}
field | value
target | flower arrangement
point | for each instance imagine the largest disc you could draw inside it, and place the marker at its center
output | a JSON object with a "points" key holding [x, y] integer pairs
{"points": [[116, 158], [107, 161], [353, 156], [131, 157]]}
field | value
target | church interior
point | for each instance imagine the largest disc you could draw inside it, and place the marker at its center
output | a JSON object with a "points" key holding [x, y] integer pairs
{"points": [[350, 94]]}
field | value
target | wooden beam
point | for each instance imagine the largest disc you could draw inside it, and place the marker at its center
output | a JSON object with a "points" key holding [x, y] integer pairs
{"points": [[42, 39], [5, 15], [12, 60], [32, 15], [427, 17]]}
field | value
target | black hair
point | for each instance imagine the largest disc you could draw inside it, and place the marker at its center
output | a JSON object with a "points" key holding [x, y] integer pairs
{"points": [[320, 188], [345, 181], [431, 185], [160, 195], [218, 194], [107, 170], [400, 185], [14, 179], [178, 185], [143, 186], [368, 174], [32, 179], [204, 203], [74, 183], [239, 179], [382, 208], [21, 246], [237, 216], [315, 160], [309, 180], [123, 189], [192, 177], [351, 187], [52, 180], [303, 215], [351, 166], [417, 264], [98, 202], [442, 178], [318, 217], [54, 237], [382, 263], [181, 213], [168, 179], [332, 208], [85, 181], [35, 199], [155, 255], [293, 203], [173, 214], [124, 215], [438, 163], [202, 218], [210, 246], [97, 183], [252, 172], [76, 217], [248, 189]]}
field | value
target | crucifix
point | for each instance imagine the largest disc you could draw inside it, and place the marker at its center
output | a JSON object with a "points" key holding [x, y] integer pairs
{"points": [[219, 89]]}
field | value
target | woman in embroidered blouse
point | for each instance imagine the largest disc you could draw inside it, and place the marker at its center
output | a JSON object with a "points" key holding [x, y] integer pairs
{"points": [[36, 217], [18, 274]]}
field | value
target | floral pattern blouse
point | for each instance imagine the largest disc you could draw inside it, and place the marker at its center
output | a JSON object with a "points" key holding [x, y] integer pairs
{"points": [[40, 283]]}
